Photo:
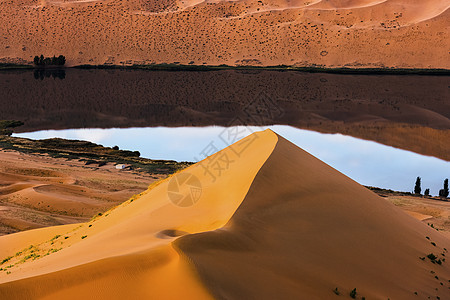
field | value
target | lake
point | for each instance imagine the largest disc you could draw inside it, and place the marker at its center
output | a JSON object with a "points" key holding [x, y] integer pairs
{"points": [[380, 130], [366, 162]]}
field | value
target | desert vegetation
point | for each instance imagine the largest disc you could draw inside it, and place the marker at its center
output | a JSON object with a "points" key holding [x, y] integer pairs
{"points": [[7, 126], [417, 188], [91, 153], [41, 61], [444, 192]]}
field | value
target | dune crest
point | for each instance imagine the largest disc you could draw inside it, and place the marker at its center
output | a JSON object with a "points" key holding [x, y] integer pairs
{"points": [[276, 223]]}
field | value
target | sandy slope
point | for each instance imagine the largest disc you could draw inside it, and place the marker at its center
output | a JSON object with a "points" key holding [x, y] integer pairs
{"points": [[331, 33], [430, 211], [276, 224], [133, 242], [39, 191]]}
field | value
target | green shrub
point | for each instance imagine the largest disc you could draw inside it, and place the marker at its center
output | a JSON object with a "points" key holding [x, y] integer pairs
{"points": [[432, 256], [353, 293], [6, 260], [55, 237]]}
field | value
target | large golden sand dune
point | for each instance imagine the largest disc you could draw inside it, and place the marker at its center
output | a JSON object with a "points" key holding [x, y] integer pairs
{"points": [[329, 33], [261, 219]]}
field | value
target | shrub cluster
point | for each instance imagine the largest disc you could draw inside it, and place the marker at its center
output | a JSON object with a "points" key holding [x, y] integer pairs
{"points": [[49, 61]]}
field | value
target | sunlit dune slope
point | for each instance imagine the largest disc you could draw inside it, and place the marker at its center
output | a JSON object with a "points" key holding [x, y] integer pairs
{"points": [[330, 33], [276, 223], [127, 252]]}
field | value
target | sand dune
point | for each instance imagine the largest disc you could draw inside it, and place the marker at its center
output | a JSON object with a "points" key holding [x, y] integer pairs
{"points": [[330, 33], [431, 212], [275, 223], [328, 231], [38, 191]]}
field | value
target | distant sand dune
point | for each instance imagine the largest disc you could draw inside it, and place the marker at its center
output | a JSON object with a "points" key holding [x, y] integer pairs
{"points": [[276, 223], [38, 191], [356, 33]]}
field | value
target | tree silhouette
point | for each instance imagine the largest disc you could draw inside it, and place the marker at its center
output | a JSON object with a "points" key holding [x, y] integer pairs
{"points": [[49, 61], [444, 192], [61, 60], [417, 188], [427, 192]]}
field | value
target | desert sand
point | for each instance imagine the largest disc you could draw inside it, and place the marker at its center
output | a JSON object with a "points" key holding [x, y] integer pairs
{"points": [[39, 191], [262, 219], [432, 212], [323, 33]]}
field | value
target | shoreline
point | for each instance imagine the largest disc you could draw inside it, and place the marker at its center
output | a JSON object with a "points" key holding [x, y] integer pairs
{"points": [[90, 154], [206, 68], [382, 192], [70, 150]]}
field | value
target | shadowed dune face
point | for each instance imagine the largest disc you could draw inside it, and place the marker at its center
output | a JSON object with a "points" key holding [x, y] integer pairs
{"points": [[408, 112], [303, 229], [357, 33], [277, 223]]}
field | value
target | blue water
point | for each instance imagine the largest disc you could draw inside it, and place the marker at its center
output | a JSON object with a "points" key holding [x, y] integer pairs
{"points": [[366, 162]]}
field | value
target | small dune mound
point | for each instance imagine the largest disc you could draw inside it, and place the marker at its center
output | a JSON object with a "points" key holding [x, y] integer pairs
{"points": [[171, 233]]}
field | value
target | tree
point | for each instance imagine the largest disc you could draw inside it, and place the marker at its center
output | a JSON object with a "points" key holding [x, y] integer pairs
{"points": [[417, 188], [444, 192], [427, 192], [61, 60], [49, 61]]}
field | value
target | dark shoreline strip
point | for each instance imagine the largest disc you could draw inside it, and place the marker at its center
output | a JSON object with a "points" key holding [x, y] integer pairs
{"points": [[280, 68]]}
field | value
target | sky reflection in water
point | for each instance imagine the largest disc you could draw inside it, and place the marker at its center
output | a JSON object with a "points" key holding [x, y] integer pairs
{"points": [[366, 162]]}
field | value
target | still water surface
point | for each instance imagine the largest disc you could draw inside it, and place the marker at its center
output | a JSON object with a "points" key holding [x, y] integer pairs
{"points": [[367, 162]]}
